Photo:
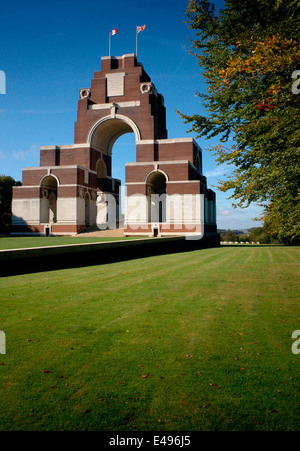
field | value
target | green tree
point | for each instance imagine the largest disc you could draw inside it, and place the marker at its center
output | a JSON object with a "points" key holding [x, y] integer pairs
{"points": [[248, 52], [260, 235], [229, 236], [6, 186]]}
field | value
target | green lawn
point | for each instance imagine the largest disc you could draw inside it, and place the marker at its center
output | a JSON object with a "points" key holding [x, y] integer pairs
{"points": [[182, 342], [40, 241]]}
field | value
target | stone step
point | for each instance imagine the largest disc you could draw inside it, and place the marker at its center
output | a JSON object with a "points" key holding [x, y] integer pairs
{"points": [[94, 231]]}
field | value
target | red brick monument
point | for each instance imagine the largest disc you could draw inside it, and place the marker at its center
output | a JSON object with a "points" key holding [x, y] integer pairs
{"points": [[73, 188]]}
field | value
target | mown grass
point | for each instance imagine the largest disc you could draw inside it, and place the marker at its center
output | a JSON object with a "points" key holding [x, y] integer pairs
{"points": [[191, 341], [40, 241]]}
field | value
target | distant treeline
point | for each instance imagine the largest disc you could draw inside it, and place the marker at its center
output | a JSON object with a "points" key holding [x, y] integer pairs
{"points": [[255, 235]]}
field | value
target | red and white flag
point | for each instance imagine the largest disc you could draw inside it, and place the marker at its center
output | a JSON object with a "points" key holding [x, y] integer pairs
{"points": [[115, 31], [138, 29]]}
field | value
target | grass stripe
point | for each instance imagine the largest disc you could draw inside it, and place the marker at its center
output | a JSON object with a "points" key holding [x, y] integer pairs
{"points": [[188, 341]]}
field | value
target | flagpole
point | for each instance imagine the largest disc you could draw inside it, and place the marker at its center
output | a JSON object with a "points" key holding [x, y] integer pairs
{"points": [[109, 42], [138, 29]]}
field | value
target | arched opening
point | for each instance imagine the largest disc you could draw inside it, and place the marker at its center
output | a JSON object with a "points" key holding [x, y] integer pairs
{"points": [[124, 151], [101, 169], [156, 196], [106, 136], [107, 130], [101, 175], [48, 200]]}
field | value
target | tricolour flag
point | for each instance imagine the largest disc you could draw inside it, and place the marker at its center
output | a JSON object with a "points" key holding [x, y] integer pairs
{"points": [[115, 31], [138, 29]]}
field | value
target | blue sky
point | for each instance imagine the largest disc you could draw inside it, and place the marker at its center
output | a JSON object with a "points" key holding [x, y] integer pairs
{"points": [[51, 49]]}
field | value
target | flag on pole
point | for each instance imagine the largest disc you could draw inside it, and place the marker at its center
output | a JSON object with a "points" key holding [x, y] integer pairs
{"points": [[138, 29], [111, 33]]}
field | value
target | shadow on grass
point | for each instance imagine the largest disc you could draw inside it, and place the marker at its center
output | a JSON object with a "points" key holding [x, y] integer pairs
{"points": [[100, 256]]}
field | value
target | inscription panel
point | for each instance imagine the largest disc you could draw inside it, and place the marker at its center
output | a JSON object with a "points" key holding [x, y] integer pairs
{"points": [[115, 84]]}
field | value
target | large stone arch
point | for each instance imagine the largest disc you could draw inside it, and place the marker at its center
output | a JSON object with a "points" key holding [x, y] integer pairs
{"points": [[104, 132]]}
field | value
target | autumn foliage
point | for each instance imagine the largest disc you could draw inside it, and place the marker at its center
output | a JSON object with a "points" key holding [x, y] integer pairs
{"points": [[247, 53]]}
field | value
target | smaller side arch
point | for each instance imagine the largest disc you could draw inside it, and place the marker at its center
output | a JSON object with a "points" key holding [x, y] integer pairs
{"points": [[46, 176], [155, 171], [48, 199], [156, 195], [101, 168], [102, 176]]}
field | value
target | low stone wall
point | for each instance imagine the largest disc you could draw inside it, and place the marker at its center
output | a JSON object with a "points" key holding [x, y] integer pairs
{"points": [[18, 261]]}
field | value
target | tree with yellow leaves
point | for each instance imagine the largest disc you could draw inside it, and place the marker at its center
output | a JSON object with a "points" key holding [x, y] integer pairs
{"points": [[249, 55]]}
